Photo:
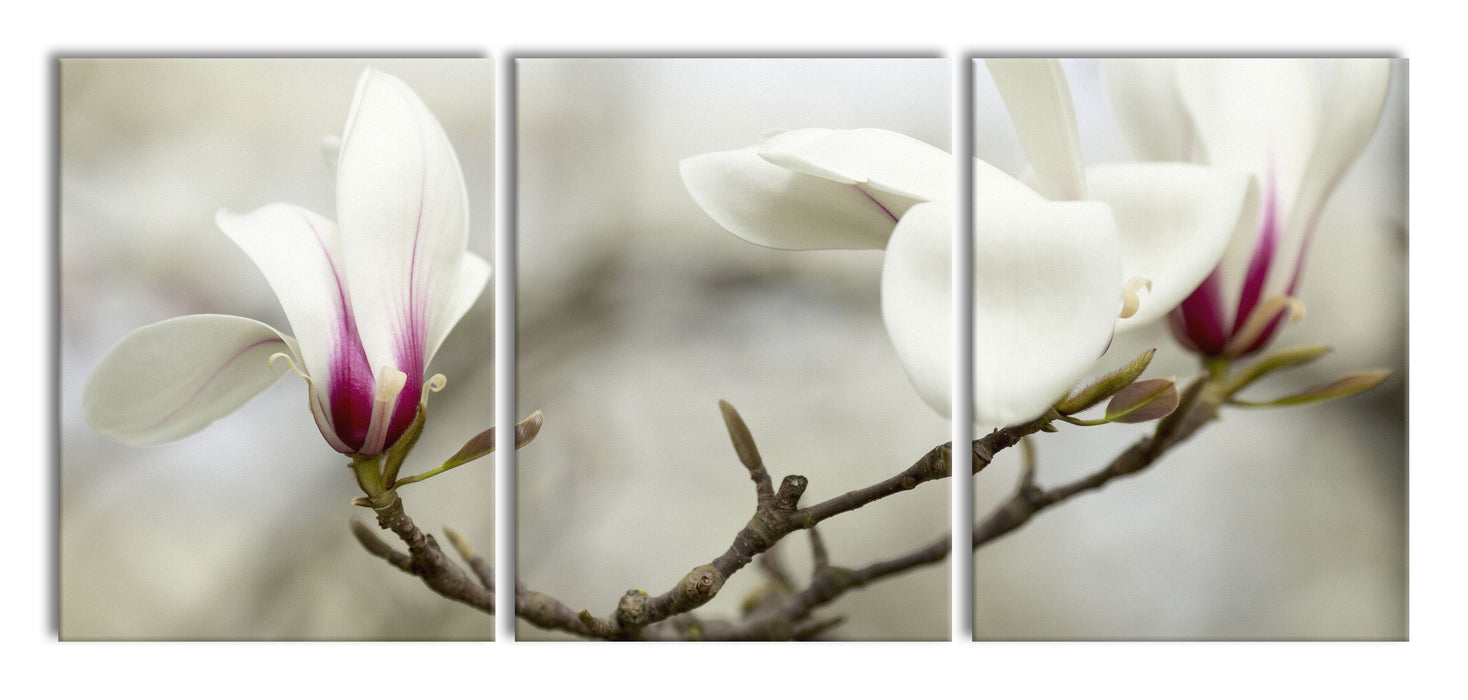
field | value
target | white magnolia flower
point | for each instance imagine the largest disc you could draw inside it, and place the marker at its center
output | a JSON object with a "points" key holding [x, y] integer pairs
{"points": [[370, 299], [851, 189], [1049, 276], [1127, 240], [1266, 117]]}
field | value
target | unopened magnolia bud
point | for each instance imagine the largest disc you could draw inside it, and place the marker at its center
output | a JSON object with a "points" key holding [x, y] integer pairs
{"points": [[484, 443], [739, 434], [527, 429]]}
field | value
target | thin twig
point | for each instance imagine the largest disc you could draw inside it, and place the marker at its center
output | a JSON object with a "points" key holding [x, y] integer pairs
{"points": [[1027, 500], [774, 518], [424, 559], [482, 569], [668, 616]]}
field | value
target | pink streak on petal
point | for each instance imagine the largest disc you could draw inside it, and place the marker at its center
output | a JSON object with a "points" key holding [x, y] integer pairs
{"points": [[1263, 257], [412, 326], [885, 210], [349, 383], [1201, 317], [215, 375], [1178, 325], [1308, 235], [350, 387]]}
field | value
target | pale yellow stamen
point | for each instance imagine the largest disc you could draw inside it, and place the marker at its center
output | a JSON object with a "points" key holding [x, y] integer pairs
{"points": [[1259, 319], [435, 384], [390, 383], [1130, 297], [288, 360]]}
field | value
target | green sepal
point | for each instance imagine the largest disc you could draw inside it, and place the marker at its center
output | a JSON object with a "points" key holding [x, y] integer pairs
{"points": [[1143, 401], [1349, 385], [400, 449], [1106, 386], [1275, 361], [481, 445]]}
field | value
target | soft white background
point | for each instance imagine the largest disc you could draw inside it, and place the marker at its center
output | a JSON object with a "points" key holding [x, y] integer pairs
{"points": [[240, 531], [1278, 524], [637, 313], [1411, 27]]}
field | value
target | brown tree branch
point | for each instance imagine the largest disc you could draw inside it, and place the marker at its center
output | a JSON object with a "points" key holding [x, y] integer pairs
{"points": [[773, 519], [1196, 409], [783, 614], [482, 569], [424, 559]]}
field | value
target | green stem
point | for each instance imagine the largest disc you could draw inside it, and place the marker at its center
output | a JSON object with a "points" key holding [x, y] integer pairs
{"points": [[369, 476], [430, 473], [1218, 367]]}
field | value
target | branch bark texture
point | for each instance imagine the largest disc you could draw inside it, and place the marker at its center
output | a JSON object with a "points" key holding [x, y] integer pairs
{"points": [[780, 611]]}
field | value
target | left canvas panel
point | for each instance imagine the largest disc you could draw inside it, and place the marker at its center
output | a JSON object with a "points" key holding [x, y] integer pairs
{"points": [[227, 229]]}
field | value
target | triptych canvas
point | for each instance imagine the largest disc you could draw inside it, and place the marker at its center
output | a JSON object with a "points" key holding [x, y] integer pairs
{"points": [[751, 322]]}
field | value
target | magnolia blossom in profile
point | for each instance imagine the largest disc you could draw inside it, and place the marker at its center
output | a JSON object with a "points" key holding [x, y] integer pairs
{"points": [[370, 298], [1267, 117], [851, 189], [1078, 253], [1052, 273]]}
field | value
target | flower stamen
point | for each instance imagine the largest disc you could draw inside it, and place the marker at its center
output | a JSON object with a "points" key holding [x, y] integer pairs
{"points": [[1262, 320], [390, 383], [288, 360], [1131, 299], [435, 384]]}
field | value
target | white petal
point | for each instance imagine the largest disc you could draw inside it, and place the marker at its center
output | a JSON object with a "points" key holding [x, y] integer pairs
{"points": [[1175, 221], [170, 379], [299, 253], [771, 206], [1149, 111], [1352, 109], [994, 187], [472, 278], [894, 168], [404, 218], [1039, 104], [1046, 293], [1255, 115], [917, 300]]}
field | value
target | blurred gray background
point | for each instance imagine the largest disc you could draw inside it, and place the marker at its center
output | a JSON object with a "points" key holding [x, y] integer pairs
{"points": [[240, 531], [637, 313], [1269, 524]]}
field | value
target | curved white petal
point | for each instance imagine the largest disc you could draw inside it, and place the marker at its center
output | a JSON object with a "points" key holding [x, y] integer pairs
{"points": [[1149, 111], [169, 380], [404, 220], [1039, 104], [994, 187], [1352, 108], [472, 277], [772, 206], [299, 253], [917, 300], [896, 169], [1255, 115], [1046, 293], [331, 150], [1174, 222]]}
